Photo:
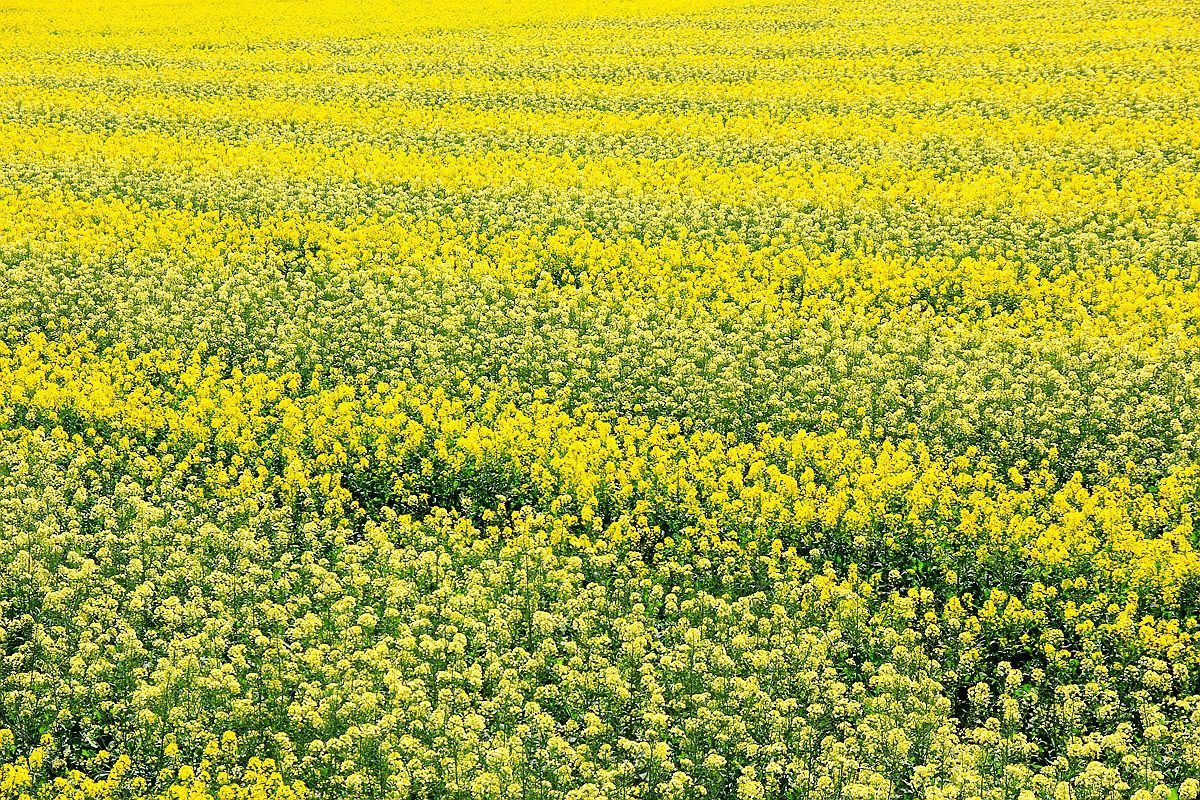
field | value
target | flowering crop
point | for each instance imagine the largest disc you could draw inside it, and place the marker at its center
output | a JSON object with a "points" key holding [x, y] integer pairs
{"points": [[655, 399]]}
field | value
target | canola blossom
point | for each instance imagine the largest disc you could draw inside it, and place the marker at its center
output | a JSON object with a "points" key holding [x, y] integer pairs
{"points": [[648, 399]]}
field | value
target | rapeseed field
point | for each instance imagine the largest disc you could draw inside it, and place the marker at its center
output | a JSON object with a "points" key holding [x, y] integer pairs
{"points": [[639, 399]]}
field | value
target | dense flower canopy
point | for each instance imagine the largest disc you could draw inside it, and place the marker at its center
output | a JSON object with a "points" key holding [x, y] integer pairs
{"points": [[651, 399]]}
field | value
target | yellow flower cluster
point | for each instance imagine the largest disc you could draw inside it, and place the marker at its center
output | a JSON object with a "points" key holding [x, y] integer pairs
{"points": [[658, 399], [30, 776]]}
